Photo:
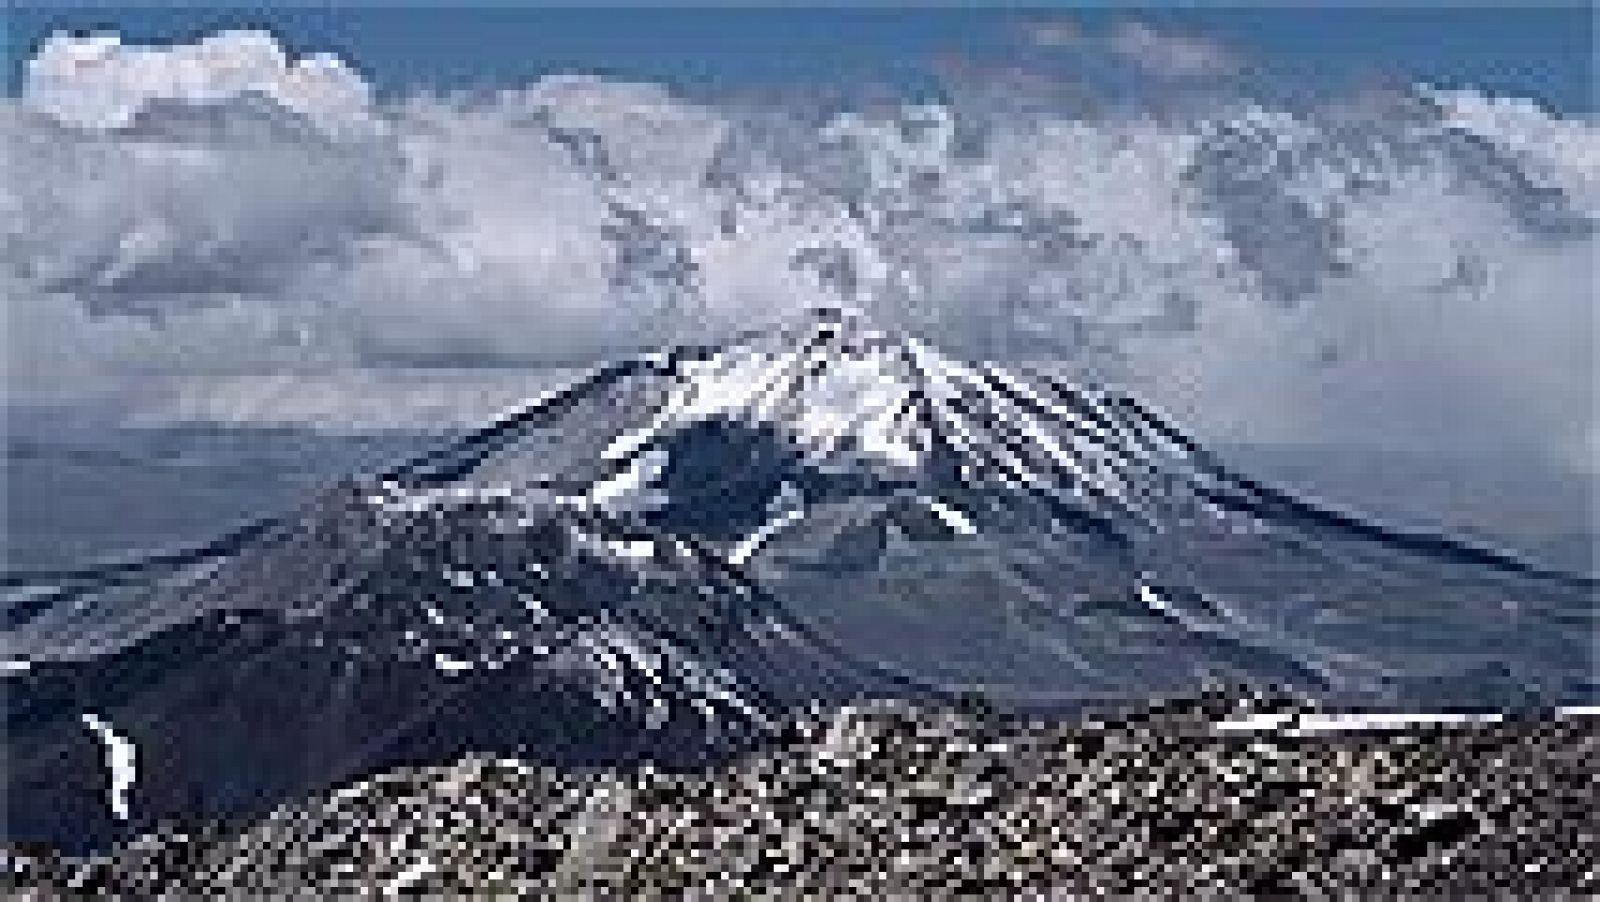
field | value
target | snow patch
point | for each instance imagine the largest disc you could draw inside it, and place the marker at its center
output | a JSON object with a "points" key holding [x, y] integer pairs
{"points": [[951, 517], [753, 542], [121, 756], [1291, 724]]}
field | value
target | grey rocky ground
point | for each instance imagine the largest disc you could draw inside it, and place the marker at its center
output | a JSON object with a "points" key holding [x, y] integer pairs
{"points": [[894, 800]]}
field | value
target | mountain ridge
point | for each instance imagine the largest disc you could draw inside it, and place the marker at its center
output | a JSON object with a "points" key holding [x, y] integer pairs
{"points": [[868, 415]]}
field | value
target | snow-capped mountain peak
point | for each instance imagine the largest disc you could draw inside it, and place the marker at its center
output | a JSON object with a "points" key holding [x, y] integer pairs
{"points": [[832, 382], [848, 398]]}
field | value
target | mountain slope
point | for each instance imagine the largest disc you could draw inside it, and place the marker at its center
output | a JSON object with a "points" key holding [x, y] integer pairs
{"points": [[664, 557]]}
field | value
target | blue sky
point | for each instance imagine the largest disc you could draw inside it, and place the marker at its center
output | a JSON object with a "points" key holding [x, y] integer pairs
{"points": [[1542, 53]]}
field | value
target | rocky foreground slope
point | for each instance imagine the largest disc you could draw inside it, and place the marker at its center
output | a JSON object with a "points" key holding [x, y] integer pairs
{"points": [[1212, 796]]}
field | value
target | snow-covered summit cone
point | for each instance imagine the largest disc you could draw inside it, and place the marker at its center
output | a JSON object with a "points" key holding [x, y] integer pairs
{"points": [[827, 407]]}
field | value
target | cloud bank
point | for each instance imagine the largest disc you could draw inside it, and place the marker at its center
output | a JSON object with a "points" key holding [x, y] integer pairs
{"points": [[1398, 266]]}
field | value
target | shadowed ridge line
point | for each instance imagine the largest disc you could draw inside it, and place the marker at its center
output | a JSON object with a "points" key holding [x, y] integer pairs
{"points": [[28, 595], [1264, 498], [419, 468], [464, 454]]}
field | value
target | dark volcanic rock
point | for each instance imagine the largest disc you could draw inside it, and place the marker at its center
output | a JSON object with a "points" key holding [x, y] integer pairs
{"points": [[899, 799]]}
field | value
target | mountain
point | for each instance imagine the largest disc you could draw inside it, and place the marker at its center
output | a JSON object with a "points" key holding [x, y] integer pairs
{"points": [[664, 558]]}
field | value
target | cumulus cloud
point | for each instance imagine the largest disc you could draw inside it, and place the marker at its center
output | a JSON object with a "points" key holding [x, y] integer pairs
{"points": [[1335, 273], [96, 81]]}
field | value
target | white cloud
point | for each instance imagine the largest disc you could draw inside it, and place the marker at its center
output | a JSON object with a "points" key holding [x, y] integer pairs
{"points": [[1563, 152], [1455, 333], [1170, 54], [95, 81], [185, 208], [1161, 53]]}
